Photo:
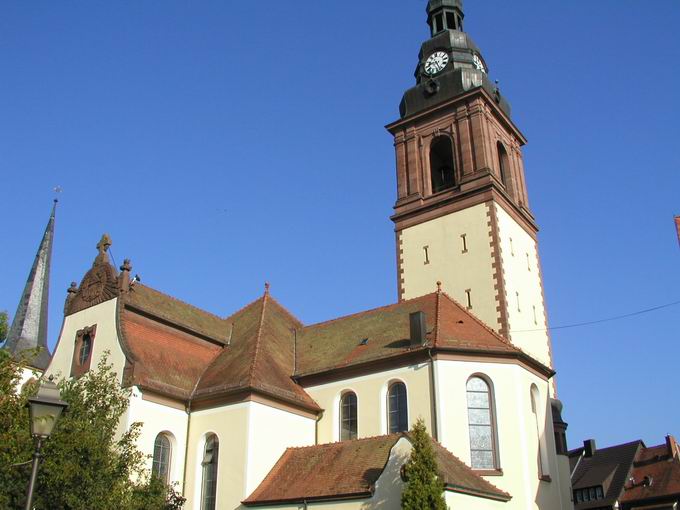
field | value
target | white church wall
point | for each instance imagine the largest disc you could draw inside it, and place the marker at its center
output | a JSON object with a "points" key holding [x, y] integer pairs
{"points": [[456, 500], [515, 427], [522, 275], [157, 418], [103, 316], [230, 424], [457, 268], [270, 432], [371, 392]]}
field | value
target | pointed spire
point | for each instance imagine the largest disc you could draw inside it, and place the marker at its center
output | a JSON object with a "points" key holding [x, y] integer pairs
{"points": [[29, 327]]}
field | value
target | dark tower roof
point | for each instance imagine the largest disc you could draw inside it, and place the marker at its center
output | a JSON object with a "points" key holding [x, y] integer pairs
{"points": [[462, 69], [29, 327]]}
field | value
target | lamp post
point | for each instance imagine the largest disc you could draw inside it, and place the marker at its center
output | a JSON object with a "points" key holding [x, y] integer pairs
{"points": [[44, 411]]}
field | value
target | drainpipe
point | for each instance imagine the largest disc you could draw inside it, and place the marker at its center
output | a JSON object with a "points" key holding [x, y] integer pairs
{"points": [[316, 431], [433, 386], [187, 409]]}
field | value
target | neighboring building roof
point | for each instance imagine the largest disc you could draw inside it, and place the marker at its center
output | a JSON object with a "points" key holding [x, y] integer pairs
{"points": [[350, 469], [608, 467], [29, 326], [655, 475], [630, 473]]}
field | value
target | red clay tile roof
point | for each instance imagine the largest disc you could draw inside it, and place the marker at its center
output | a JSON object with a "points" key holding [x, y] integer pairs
{"points": [[661, 467], [338, 343], [165, 359], [177, 312], [349, 469], [189, 353], [259, 356]]}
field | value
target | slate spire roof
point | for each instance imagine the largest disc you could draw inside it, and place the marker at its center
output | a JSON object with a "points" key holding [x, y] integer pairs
{"points": [[29, 327]]}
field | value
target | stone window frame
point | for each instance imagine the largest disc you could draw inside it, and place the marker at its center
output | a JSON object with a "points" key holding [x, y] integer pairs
{"points": [[77, 368]]}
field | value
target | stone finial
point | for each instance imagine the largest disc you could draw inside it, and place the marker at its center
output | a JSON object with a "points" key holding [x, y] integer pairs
{"points": [[439, 287], [104, 244], [70, 294], [124, 276]]}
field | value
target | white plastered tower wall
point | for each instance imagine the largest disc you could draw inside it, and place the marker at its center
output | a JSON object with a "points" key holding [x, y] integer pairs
{"points": [[462, 252], [523, 288], [459, 267]]}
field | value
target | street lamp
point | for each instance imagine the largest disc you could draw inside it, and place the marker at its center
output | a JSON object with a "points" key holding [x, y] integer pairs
{"points": [[44, 411]]}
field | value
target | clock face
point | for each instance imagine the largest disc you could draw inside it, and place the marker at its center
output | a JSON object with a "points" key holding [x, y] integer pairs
{"points": [[478, 63], [436, 62]]}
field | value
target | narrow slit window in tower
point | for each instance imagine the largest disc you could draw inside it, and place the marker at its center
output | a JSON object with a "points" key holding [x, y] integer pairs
{"points": [[427, 254], [463, 240], [442, 168], [468, 297]]}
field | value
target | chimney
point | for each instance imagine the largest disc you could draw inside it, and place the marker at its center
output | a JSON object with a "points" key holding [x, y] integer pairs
{"points": [[672, 447], [589, 448], [418, 325]]}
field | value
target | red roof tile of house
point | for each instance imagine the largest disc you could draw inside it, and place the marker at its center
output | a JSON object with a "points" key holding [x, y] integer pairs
{"points": [[350, 469], [656, 474]]}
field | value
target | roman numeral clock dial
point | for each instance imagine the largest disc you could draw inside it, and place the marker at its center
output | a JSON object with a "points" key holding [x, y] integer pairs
{"points": [[436, 62]]}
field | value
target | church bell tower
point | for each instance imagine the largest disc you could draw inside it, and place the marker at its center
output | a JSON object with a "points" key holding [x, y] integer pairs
{"points": [[462, 215]]}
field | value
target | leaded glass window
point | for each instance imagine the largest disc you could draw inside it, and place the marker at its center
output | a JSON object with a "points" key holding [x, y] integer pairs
{"points": [[397, 408], [481, 424], [348, 416], [209, 463], [161, 457], [85, 348]]}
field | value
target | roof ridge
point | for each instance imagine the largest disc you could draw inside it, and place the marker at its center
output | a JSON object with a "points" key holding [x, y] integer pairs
{"points": [[364, 312], [285, 309], [437, 322], [173, 298], [258, 338], [349, 441]]}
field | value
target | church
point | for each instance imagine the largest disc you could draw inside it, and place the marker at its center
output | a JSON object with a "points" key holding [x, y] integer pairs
{"points": [[258, 410]]}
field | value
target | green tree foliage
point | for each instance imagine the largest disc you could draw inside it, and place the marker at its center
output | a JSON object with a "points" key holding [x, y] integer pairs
{"points": [[424, 489], [4, 320], [88, 461]]}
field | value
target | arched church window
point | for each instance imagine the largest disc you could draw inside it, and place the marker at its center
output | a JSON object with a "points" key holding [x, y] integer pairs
{"points": [[85, 349], [397, 405], [542, 458], [481, 424], [348, 416], [209, 463], [503, 166], [160, 466], [442, 168]]}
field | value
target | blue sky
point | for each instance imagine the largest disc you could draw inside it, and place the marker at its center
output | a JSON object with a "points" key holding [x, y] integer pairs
{"points": [[222, 144]]}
